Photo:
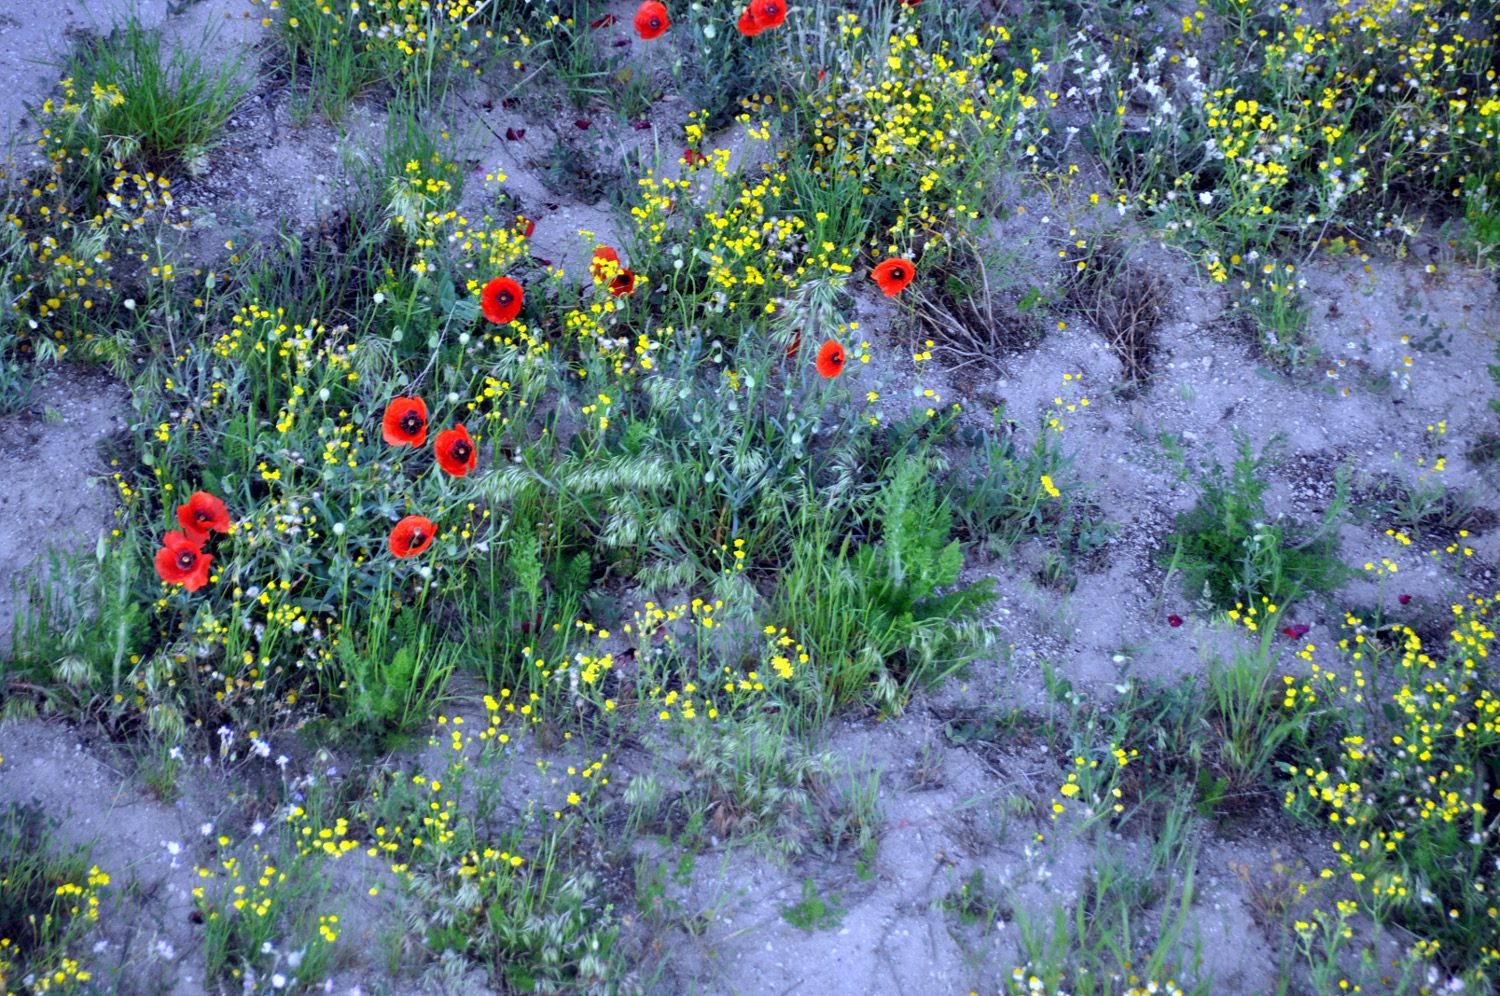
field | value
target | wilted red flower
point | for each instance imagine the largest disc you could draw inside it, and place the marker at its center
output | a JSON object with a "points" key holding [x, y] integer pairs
{"points": [[747, 24], [501, 300], [623, 284], [692, 156], [651, 19], [1296, 631], [1404, 599], [529, 227], [202, 515], [831, 359], [180, 561], [767, 13], [602, 22], [1174, 621], [795, 346], [893, 275], [412, 535], [405, 422], [600, 266], [455, 451]]}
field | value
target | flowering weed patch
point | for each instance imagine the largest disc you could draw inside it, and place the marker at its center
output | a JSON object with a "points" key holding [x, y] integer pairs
{"points": [[693, 498]]}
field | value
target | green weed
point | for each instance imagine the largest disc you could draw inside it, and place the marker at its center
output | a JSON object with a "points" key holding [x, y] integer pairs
{"points": [[1228, 547]]}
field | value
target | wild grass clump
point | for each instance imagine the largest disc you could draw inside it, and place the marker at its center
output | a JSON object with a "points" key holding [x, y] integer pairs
{"points": [[1230, 552]]}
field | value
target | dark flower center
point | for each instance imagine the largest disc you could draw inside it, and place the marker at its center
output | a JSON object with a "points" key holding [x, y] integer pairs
{"points": [[199, 515], [653, 22], [186, 559], [836, 357], [418, 537], [503, 298], [411, 422], [897, 273], [461, 451]]}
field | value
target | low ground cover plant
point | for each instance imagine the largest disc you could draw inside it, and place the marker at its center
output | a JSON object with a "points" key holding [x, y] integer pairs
{"points": [[699, 493]]}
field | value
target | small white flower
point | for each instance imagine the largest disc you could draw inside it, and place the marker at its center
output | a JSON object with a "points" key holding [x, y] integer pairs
{"points": [[165, 950], [278, 981], [1206, 197], [206, 829]]}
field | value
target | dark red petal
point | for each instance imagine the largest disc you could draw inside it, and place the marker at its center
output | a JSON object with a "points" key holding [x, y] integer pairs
{"points": [[1174, 621]]}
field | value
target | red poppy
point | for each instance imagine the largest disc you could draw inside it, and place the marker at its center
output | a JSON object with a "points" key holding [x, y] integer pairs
{"points": [[455, 451], [501, 300], [1296, 631], [1174, 621], [831, 359], [795, 346], [600, 265], [180, 561], [747, 24], [651, 19], [692, 156], [412, 535], [529, 227], [202, 515], [623, 284], [405, 422], [767, 13], [1404, 599], [893, 275]]}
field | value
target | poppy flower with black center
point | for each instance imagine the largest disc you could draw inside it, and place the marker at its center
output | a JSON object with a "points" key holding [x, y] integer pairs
{"points": [[1174, 621], [412, 535], [1296, 631], [501, 300], [651, 19], [767, 13], [180, 561], [605, 264], [405, 422], [623, 284], [202, 515], [455, 451], [831, 359], [747, 24], [893, 275]]}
